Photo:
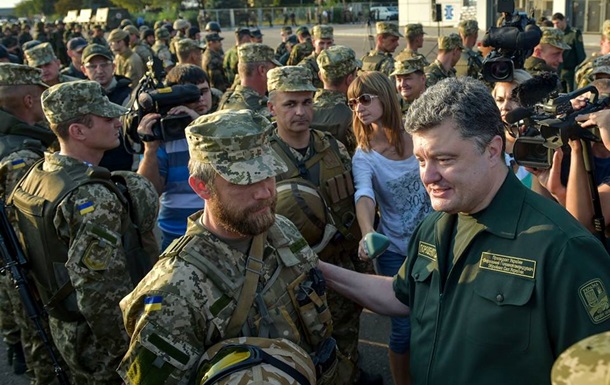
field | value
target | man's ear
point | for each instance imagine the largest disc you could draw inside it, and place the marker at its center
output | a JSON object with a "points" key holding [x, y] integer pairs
{"points": [[78, 131], [200, 187]]}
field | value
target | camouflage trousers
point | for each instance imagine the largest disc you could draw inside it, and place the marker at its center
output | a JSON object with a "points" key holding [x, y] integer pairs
{"points": [[8, 325]]}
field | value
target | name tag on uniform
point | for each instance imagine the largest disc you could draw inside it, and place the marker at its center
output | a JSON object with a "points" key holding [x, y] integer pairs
{"points": [[427, 250], [506, 264]]}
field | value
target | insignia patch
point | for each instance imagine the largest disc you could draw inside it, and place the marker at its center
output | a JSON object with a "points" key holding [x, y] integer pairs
{"points": [[86, 208], [96, 258], [427, 250], [153, 303], [17, 164], [595, 300], [521, 267]]}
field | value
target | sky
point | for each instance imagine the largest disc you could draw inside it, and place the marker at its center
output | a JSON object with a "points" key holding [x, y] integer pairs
{"points": [[8, 3]]}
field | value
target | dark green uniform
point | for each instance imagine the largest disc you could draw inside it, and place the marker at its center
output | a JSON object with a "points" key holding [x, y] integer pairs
{"points": [[470, 63], [435, 73], [571, 57], [521, 283], [536, 66]]}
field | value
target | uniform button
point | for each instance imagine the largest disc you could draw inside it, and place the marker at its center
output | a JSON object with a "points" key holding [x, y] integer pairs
{"points": [[500, 298], [417, 276]]}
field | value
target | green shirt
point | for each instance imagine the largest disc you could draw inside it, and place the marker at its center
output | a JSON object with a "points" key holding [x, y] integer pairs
{"points": [[525, 286]]}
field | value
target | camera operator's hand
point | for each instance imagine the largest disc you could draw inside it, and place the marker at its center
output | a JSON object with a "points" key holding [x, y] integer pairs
{"points": [[600, 119], [580, 101], [178, 110], [550, 178], [145, 128]]}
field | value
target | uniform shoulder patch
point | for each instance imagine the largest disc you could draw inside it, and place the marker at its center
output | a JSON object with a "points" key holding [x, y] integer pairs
{"points": [[594, 298]]}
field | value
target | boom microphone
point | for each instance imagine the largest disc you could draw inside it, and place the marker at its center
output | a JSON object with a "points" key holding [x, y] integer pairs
{"points": [[518, 114], [536, 89]]}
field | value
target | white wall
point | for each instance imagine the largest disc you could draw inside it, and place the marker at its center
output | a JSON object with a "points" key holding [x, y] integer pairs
{"points": [[420, 11]]}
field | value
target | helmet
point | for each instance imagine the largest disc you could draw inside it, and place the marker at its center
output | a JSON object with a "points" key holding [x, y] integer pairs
{"points": [[143, 196], [125, 22], [247, 360], [181, 24], [213, 26], [301, 202]]}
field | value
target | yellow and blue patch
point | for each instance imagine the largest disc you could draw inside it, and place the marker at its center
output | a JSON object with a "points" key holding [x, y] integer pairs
{"points": [[153, 303], [86, 208], [17, 164]]}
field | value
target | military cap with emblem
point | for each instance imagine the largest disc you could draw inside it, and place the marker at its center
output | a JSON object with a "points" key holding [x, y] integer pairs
{"points": [[409, 65], [554, 37], [187, 45], [117, 35], [20, 75], [213, 37], [132, 30], [236, 144], [322, 31], [383, 27], [601, 65], [606, 29], [162, 33], [67, 101], [449, 42], [93, 50], [302, 30], [40, 54], [468, 27], [587, 362], [181, 24], [414, 29], [256, 52], [290, 79], [337, 61]]}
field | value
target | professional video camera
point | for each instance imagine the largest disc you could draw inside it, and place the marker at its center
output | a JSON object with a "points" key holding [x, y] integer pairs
{"points": [[550, 126], [151, 97], [513, 42]]}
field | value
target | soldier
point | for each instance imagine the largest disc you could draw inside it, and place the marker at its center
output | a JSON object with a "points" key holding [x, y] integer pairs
{"points": [[256, 36], [180, 26], [291, 41], [303, 49], [548, 54], [471, 61], [242, 36], [161, 49], [98, 36], [410, 81], [144, 52], [58, 42], [255, 60], [235, 271], [79, 242], [601, 68], [572, 57], [415, 40], [338, 68], [75, 52], [42, 57], [147, 37], [189, 51], [281, 48], [449, 52], [25, 35], [127, 62], [322, 39], [212, 26], [212, 62], [583, 70], [386, 42]]}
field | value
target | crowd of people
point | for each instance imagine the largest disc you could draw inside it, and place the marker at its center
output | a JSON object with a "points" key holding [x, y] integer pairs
{"points": [[236, 252]]}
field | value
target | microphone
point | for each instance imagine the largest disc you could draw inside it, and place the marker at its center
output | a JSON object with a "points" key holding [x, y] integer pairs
{"points": [[536, 89], [518, 114]]}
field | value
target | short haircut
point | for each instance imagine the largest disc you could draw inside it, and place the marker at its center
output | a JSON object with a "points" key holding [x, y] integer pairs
{"points": [[61, 129], [558, 16], [452, 99], [203, 171], [248, 69], [186, 74]]}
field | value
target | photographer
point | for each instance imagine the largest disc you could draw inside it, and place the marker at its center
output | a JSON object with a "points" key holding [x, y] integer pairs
{"points": [[165, 164]]}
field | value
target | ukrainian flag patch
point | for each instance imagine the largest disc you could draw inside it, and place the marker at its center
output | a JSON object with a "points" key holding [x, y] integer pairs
{"points": [[17, 164], [153, 303], [86, 208]]}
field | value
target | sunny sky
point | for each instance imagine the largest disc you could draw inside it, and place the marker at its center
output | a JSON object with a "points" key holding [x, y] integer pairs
{"points": [[8, 3]]}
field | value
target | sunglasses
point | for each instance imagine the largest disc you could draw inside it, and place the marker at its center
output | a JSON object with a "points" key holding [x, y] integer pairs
{"points": [[364, 99]]}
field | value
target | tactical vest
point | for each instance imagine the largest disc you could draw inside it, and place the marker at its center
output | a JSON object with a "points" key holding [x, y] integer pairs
{"points": [[372, 63], [325, 170], [12, 143], [36, 198]]}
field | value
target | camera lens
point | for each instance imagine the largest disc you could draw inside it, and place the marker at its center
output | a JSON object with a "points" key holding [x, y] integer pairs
{"points": [[501, 71]]}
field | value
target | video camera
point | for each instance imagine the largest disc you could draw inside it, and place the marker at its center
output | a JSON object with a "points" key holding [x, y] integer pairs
{"points": [[513, 42], [151, 97], [550, 126]]}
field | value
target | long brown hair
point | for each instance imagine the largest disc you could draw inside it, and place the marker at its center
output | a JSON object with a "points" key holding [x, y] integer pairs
{"points": [[377, 83]]}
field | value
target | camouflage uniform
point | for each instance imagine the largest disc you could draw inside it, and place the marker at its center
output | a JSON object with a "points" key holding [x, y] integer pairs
{"points": [[552, 36], [160, 48], [582, 75], [42, 54], [310, 63], [127, 63], [536, 66], [585, 362], [188, 302], [144, 52], [412, 30], [377, 60], [406, 67], [435, 72], [300, 52], [408, 53], [86, 228], [471, 61], [212, 63], [229, 64], [601, 65]]}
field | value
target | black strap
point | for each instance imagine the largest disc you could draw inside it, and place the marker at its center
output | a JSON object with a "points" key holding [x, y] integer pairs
{"points": [[301, 379]]}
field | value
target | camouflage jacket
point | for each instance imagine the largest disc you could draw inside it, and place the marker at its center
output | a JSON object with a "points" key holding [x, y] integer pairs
{"points": [[230, 64], [583, 76], [331, 114], [143, 51], [212, 64], [130, 65], [280, 50], [300, 52], [536, 66], [378, 61], [245, 98], [311, 63], [407, 53], [183, 306], [162, 52], [435, 73], [470, 63]]}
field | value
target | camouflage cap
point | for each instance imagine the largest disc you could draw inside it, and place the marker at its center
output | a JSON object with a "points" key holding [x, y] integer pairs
{"points": [[181, 24], [162, 33], [383, 27], [213, 37], [337, 61], [256, 52], [414, 29], [20, 75], [187, 45], [131, 29], [468, 27], [449, 42], [236, 144], [554, 37], [606, 29], [287, 29], [93, 50], [601, 65], [585, 362], [40, 54], [408, 65], [67, 101], [322, 31], [117, 35], [302, 30], [290, 79], [30, 44]]}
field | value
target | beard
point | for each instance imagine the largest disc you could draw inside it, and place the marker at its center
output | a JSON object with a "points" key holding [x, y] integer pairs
{"points": [[244, 221]]}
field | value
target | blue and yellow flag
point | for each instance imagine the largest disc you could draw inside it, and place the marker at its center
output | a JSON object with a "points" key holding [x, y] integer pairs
{"points": [[86, 208], [17, 164], [153, 303]]}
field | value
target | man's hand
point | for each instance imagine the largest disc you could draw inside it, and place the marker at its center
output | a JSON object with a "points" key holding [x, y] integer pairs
{"points": [[178, 110], [145, 128], [550, 178], [600, 119]]}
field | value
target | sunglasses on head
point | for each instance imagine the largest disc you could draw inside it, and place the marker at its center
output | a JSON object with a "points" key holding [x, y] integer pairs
{"points": [[364, 99]]}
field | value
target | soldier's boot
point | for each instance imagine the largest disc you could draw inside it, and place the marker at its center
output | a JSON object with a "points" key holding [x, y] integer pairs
{"points": [[16, 358]]}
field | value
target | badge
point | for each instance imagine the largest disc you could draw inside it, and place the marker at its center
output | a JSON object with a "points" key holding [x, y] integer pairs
{"points": [[595, 300], [506, 264], [427, 250]]}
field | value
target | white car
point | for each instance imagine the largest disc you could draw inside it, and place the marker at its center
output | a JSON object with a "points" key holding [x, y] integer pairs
{"points": [[384, 13]]}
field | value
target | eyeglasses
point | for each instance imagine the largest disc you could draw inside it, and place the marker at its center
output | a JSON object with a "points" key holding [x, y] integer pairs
{"points": [[93, 67], [364, 99]]}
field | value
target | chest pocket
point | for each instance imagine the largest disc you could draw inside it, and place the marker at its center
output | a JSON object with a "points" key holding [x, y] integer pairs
{"points": [[424, 298], [500, 310]]}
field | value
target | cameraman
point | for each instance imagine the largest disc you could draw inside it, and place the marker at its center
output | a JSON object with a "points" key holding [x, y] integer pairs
{"points": [[165, 164]]}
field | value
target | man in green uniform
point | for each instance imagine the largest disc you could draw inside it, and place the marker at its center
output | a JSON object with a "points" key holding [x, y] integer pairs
{"points": [[180, 26], [231, 58], [255, 60], [583, 70], [190, 51], [572, 57], [212, 62], [415, 40], [500, 280], [127, 62], [410, 81], [471, 61], [237, 271], [280, 50], [161, 49], [301, 50], [338, 68], [143, 50], [449, 52], [601, 68], [42, 57], [322, 39], [548, 54], [386, 41]]}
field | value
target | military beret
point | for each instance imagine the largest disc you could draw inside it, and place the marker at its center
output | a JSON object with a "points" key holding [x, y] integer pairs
{"points": [[256, 52], [322, 31], [117, 35], [290, 79], [468, 27], [383, 27], [40, 54], [20, 75], [255, 32], [93, 50], [554, 37], [449, 42], [337, 61]]}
